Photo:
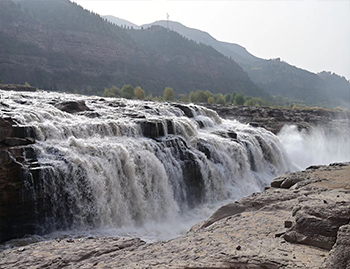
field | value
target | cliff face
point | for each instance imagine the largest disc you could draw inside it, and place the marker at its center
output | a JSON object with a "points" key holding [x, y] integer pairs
{"points": [[293, 224], [18, 211]]}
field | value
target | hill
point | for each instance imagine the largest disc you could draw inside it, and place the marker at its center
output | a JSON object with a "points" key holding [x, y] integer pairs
{"points": [[274, 76], [121, 22], [57, 45]]}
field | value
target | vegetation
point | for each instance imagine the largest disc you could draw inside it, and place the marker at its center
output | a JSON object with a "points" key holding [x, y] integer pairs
{"points": [[139, 93], [206, 97], [169, 94]]}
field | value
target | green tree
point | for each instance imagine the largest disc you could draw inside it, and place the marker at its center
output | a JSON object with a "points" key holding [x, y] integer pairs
{"points": [[112, 92], [149, 97], [183, 98], [239, 99], [228, 98], [199, 97], [128, 92], [208, 93], [139, 93], [211, 100], [220, 99], [169, 94]]}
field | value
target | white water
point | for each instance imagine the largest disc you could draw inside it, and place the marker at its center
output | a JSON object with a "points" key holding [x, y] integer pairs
{"points": [[316, 146], [101, 176]]}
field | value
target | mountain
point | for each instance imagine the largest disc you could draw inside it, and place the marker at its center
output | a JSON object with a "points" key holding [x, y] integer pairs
{"points": [[121, 22], [235, 51], [57, 45], [274, 76]]}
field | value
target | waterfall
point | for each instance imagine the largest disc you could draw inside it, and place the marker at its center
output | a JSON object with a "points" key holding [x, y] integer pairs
{"points": [[131, 165], [318, 145]]}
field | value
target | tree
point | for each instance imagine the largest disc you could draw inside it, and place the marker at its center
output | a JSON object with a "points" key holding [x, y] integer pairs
{"points": [[211, 100], [183, 98], [220, 99], [149, 97], [239, 99], [112, 92], [139, 93], [128, 92], [169, 94], [199, 97]]}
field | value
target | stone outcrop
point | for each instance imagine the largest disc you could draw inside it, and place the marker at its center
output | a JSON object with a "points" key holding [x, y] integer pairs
{"points": [[339, 257], [253, 232], [17, 158], [273, 119]]}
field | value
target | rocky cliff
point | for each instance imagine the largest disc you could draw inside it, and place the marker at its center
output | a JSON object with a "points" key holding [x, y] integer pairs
{"points": [[301, 221], [17, 159]]}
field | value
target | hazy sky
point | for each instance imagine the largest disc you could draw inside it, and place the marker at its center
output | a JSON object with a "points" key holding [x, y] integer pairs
{"points": [[310, 34]]}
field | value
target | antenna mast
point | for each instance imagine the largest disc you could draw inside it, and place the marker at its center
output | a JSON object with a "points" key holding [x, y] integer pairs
{"points": [[167, 21]]}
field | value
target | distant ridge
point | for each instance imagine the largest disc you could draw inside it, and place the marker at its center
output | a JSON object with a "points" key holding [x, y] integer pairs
{"points": [[276, 77], [57, 45], [120, 22], [235, 51]]}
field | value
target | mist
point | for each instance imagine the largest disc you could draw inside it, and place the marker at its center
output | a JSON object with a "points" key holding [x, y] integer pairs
{"points": [[317, 145]]}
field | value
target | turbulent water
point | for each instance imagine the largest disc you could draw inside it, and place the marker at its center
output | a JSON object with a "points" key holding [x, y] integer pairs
{"points": [[139, 168], [319, 145]]}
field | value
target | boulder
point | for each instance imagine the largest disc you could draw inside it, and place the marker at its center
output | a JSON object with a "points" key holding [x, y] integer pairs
{"points": [[73, 106], [317, 222], [339, 256]]}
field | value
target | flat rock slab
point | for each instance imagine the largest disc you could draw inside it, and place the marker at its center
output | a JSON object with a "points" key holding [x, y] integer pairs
{"points": [[250, 233]]}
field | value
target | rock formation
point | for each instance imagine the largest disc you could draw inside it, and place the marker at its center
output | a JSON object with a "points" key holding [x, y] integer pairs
{"points": [[273, 119], [17, 207], [265, 230]]}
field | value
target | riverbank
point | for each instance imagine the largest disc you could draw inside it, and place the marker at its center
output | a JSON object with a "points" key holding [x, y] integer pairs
{"points": [[301, 221]]}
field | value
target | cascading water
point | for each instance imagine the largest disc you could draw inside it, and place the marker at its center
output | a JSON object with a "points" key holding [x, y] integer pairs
{"points": [[141, 168], [319, 145]]}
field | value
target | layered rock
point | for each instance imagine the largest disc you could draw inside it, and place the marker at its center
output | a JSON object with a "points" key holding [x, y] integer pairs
{"points": [[251, 233], [17, 175], [273, 119]]}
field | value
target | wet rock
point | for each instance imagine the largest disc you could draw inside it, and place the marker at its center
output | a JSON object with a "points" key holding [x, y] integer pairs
{"points": [[186, 110], [254, 124], [18, 209], [73, 106], [152, 129], [15, 141]]}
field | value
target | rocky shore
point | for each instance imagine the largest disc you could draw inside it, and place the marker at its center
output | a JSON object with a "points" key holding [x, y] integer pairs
{"points": [[301, 221]]}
